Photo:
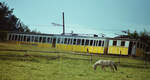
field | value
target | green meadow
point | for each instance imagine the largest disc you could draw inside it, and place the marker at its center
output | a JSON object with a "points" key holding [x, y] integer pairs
{"points": [[37, 63]]}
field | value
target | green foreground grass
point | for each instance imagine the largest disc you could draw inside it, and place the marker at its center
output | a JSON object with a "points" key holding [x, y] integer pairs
{"points": [[15, 65]]}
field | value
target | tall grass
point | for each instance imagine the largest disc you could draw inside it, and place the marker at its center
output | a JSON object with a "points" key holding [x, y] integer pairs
{"points": [[15, 65]]}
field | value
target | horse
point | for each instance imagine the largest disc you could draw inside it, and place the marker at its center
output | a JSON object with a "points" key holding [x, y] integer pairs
{"points": [[105, 63]]}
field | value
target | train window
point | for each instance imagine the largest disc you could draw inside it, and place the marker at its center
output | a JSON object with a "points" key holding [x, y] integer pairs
{"points": [[74, 41], [40, 39], [28, 38], [24, 38], [21, 37], [58, 40], [141, 45], [65, 42], [100, 42], [48, 40], [83, 42], [122, 43], [70, 41], [15, 37], [87, 42], [138, 45], [32, 39], [9, 37], [36, 39], [44, 39], [61, 41], [91, 42], [114, 43], [78, 41]]}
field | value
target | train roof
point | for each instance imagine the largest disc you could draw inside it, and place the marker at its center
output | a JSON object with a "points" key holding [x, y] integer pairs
{"points": [[59, 35], [74, 35]]}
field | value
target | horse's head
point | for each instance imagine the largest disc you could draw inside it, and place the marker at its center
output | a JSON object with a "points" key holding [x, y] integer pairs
{"points": [[94, 66]]}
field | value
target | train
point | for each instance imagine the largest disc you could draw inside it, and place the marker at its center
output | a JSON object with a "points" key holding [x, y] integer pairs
{"points": [[79, 43]]}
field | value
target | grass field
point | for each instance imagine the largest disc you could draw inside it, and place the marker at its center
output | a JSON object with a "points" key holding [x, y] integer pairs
{"points": [[14, 65]]}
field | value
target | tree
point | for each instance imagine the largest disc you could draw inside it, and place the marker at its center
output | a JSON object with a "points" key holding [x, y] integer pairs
{"points": [[7, 19], [143, 36], [9, 22]]}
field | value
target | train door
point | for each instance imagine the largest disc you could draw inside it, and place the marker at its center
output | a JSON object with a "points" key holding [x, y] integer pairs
{"points": [[132, 48], [54, 43]]}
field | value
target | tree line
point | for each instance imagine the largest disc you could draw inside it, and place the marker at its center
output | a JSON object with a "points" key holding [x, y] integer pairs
{"points": [[143, 36], [10, 22]]}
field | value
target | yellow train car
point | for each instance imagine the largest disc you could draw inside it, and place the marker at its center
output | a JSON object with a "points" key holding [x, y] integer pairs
{"points": [[121, 46], [81, 44], [62, 42], [76, 43]]}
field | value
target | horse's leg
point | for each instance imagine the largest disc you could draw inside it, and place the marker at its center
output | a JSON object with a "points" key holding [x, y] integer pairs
{"points": [[111, 67], [103, 68]]}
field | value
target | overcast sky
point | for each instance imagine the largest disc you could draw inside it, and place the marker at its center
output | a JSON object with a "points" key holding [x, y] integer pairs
{"points": [[83, 16]]}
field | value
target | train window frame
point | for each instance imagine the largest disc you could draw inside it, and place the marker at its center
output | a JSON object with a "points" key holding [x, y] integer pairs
{"points": [[74, 41], [28, 38], [21, 37], [87, 42], [16, 37], [12, 37], [58, 40], [32, 38], [103, 42], [100, 43], [36, 39], [91, 42], [82, 42], [78, 41], [65, 40], [9, 37], [24, 37], [40, 39], [44, 40], [141, 45], [70, 41], [114, 42], [48, 39], [96, 43], [138, 44], [62, 40], [122, 43]]}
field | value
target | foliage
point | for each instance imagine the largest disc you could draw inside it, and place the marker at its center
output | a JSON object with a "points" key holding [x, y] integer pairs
{"points": [[9, 22], [143, 36]]}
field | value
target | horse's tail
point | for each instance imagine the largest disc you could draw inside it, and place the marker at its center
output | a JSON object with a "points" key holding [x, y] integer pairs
{"points": [[115, 66]]}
